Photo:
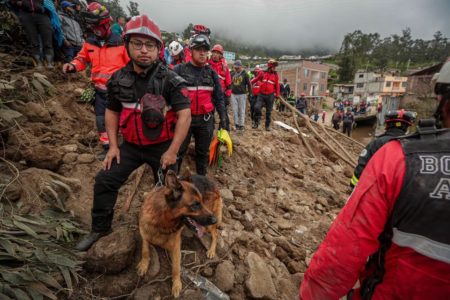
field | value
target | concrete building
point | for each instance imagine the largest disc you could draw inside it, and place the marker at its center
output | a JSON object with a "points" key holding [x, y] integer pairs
{"points": [[343, 91], [370, 84], [419, 82], [304, 76]]}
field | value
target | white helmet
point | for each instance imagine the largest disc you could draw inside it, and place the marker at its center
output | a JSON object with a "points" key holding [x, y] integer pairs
{"points": [[175, 48], [441, 80]]}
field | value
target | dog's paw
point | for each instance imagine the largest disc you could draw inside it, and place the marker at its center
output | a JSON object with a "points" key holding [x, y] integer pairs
{"points": [[142, 267], [176, 288], [211, 253]]}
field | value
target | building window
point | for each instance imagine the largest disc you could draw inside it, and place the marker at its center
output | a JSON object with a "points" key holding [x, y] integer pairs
{"points": [[306, 72], [404, 84], [323, 75], [359, 85], [361, 76], [388, 83], [305, 86], [322, 88]]}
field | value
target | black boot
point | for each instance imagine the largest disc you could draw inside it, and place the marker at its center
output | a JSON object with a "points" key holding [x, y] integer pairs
{"points": [[49, 58], [90, 240], [38, 61]]}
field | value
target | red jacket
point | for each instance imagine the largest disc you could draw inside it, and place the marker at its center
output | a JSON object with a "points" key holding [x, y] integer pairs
{"points": [[341, 258], [105, 60], [269, 83], [222, 70]]}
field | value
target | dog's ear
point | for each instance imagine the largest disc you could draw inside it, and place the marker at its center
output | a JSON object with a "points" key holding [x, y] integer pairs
{"points": [[187, 176], [173, 196], [172, 180]]}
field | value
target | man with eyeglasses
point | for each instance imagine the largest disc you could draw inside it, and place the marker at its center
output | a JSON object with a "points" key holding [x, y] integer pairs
{"points": [[106, 53], [205, 92], [149, 104]]}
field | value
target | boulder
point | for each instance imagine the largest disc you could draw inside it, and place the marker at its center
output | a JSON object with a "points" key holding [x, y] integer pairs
{"points": [[288, 287], [112, 253], [259, 282], [226, 195], [69, 148], [224, 279], [70, 158], [43, 157], [36, 113], [86, 158]]}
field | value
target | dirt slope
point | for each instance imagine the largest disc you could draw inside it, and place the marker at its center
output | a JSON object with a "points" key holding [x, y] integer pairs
{"points": [[279, 202]]}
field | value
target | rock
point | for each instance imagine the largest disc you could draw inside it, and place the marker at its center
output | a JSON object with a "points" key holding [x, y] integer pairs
{"points": [[147, 292], [9, 116], [273, 165], [300, 230], [295, 267], [259, 282], [39, 157], [36, 113], [288, 287], [294, 140], [240, 192], [224, 279], [320, 207], [248, 217], [348, 172], [114, 285], [298, 183], [281, 193], [267, 151], [70, 158], [280, 253], [78, 92], [337, 169], [284, 224], [69, 148], [307, 261], [258, 232], [226, 195], [271, 190], [235, 214], [287, 216], [86, 158], [112, 253]]}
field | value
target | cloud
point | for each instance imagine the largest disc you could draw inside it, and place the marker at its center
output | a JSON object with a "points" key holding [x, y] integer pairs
{"points": [[301, 24]]}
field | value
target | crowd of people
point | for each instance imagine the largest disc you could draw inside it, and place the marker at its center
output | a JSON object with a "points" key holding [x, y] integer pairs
{"points": [[392, 235]]}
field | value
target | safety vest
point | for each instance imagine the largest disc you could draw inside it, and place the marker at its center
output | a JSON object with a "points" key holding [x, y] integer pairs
{"points": [[200, 89], [130, 117], [421, 216]]}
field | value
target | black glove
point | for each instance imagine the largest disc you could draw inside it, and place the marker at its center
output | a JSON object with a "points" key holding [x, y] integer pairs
{"points": [[223, 124]]}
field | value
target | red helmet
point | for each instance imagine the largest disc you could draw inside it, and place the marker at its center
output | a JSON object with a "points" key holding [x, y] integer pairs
{"points": [[142, 25], [218, 48], [201, 29], [399, 117], [96, 14], [272, 63]]}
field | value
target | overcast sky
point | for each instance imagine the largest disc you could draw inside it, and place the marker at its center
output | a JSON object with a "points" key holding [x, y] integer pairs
{"points": [[301, 24]]}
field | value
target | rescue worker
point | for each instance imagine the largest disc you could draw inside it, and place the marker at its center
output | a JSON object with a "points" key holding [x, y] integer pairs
{"points": [[255, 92], [336, 118], [205, 93], [269, 89], [149, 104], [347, 122], [106, 53], [398, 215], [178, 54], [285, 90], [218, 64], [397, 123]]}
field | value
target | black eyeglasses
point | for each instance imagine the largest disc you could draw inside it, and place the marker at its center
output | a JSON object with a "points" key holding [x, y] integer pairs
{"points": [[138, 45]]}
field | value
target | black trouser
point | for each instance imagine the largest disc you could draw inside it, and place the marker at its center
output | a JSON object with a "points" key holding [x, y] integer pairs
{"points": [[267, 101], [336, 125], [282, 107], [35, 25], [227, 118], [202, 128], [347, 127], [108, 183], [252, 100]]}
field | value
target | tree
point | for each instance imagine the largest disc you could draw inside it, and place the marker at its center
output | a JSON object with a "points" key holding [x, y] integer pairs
{"points": [[346, 72], [187, 32], [133, 9]]}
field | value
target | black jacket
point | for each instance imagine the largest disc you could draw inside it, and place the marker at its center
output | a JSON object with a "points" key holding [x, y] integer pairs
{"points": [[32, 6]]}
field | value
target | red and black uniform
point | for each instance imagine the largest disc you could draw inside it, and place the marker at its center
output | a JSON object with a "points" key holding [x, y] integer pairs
{"points": [[223, 72], [183, 57], [269, 89], [205, 93], [125, 89], [105, 58], [400, 207]]}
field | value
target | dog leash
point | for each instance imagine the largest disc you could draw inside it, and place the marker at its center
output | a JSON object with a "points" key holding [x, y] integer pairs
{"points": [[160, 175]]}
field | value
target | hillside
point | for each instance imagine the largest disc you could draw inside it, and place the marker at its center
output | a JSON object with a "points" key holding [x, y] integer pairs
{"points": [[279, 201]]}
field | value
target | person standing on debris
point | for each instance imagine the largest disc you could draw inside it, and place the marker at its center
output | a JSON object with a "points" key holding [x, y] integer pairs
{"points": [[398, 217], [73, 35], [269, 89], [301, 104], [218, 64], [205, 93], [149, 104], [106, 52], [240, 88], [397, 123], [347, 122], [336, 118], [118, 27], [37, 25], [255, 93], [285, 90]]}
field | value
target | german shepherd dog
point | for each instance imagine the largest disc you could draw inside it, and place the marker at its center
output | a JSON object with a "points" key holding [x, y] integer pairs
{"points": [[193, 201]]}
